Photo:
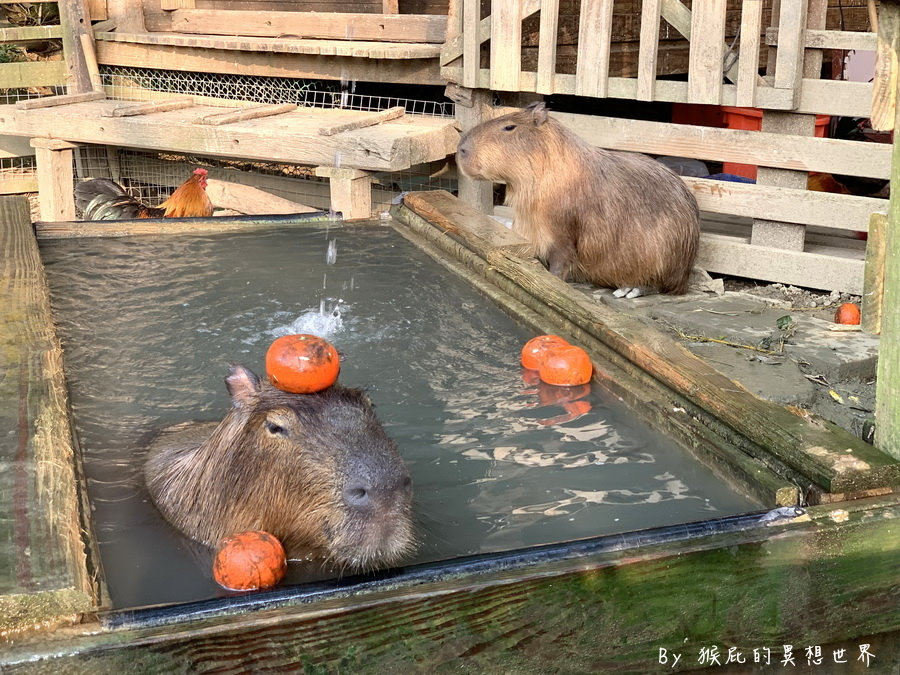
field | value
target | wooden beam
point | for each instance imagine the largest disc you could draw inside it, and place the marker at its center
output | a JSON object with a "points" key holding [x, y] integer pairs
{"points": [[546, 67], [127, 14], [75, 24], [250, 200], [748, 67], [351, 192], [471, 42], [873, 282], [390, 6], [56, 183], [887, 70], [326, 25], [830, 39], [649, 47], [506, 44], [790, 52], [133, 109], [169, 5], [30, 33], [706, 65], [887, 393], [364, 120], [250, 113], [478, 194], [594, 40]]}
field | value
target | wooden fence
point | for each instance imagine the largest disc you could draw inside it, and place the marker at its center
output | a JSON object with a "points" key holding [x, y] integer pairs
{"points": [[797, 236]]}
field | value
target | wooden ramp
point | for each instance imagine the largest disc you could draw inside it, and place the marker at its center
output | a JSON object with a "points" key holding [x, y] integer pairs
{"points": [[343, 144]]}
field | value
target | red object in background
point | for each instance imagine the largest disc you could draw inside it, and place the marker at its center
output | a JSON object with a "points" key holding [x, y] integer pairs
{"points": [[750, 119]]}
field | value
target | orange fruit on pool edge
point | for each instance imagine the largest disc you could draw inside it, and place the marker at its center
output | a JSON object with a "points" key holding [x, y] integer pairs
{"points": [[249, 561], [567, 366], [534, 350], [302, 364], [848, 313]]}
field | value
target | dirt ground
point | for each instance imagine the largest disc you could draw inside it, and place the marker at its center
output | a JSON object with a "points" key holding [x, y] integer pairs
{"points": [[778, 341]]}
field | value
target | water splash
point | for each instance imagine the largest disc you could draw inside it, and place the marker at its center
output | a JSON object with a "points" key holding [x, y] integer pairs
{"points": [[325, 321], [331, 253]]}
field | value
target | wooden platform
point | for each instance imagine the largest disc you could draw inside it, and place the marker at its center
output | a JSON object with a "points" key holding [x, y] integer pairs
{"points": [[292, 137]]}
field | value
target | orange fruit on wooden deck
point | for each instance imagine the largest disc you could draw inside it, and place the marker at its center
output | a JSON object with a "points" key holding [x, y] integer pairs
{"points": [[535, 349], [848, 313], [302, 364], [249, 561], [567, 366]]}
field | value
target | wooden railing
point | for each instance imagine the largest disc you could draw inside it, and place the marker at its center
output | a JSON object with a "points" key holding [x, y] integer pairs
{"points": [[754, 230]]}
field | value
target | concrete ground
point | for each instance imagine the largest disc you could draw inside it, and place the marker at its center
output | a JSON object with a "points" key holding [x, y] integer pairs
{"points": [[778, 341]]}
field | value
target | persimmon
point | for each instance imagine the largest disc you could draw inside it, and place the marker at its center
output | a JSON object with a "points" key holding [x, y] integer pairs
{"points": [[302, 364], [848, 313], [566, 366], [534, 350], [249, 561]]}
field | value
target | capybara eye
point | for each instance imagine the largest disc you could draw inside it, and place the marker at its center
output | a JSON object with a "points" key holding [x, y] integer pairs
{"points": [[509, 127], [275, 429]]}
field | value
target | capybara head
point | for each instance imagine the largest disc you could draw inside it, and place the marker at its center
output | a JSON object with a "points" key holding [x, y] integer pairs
{"points": [[317, 471], [507, 147]]}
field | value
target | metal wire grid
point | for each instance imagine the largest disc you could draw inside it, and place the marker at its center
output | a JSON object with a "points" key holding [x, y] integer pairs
{"points": [[17, 173], [151, 177], [137, 84], [8, 96]]}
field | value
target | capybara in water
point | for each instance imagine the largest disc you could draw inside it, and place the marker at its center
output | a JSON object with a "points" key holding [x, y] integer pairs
{"points": [[316, 470], [617, 219]]}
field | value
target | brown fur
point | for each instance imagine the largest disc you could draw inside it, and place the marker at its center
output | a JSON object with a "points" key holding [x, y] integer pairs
{"points": [[284, 463], [616, 219]]}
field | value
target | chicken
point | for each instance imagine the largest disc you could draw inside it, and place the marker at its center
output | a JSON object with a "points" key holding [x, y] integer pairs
{"points": [[102, 199]]}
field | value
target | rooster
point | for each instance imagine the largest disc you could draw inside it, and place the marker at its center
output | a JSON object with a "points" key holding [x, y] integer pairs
{"points": [[102, 199]]}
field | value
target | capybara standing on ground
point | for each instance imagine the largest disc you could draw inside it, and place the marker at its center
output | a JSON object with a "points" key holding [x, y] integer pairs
{"points": [[616, 219], [315, 470]]}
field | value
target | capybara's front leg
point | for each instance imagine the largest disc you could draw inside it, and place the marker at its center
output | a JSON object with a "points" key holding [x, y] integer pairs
{"points": [[560, 260]]}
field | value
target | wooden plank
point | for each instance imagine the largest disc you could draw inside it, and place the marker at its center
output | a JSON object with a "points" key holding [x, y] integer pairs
{"points": [[327, 25], [65, 99], [789, 56], [887, 392], [887, 67], [705, 69], [133, 109], [289, 138], [17, 185], [30, 33], [356, 48], [594, 38], [470, 41], [813, 449], [748, 67], [364, 120], [173, 226], [169, 5], [648, 50], [26, 74], [90, 60], [351, 197], [831, 39], [735, 256], [15, 146], [390, 6], [44, 583], [250, 113], [873, 282], [56, 183], [75, 24], [546, 68], [453, 48], [506, 44], [823, 209], [250, 200], [127, 14], [800, 153], [96, 10]]}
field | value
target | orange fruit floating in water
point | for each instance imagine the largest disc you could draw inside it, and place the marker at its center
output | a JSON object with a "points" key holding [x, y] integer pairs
{"points": [[534, 350], [848, 313], [567, 366], [302, 364], [249, 561]]}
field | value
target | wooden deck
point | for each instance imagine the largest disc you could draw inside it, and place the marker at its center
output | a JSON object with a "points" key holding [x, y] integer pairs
{"points": [[293, 137]]}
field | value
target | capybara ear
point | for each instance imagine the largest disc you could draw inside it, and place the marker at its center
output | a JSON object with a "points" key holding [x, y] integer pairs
{"points": [[538, 112], [242, 383]]}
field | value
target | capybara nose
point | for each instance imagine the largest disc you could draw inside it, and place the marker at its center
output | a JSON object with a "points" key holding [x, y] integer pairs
{"points": [[358, 496]]}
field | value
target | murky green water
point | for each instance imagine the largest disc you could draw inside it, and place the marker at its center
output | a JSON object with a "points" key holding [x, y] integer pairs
{"points": [[149, 326]]}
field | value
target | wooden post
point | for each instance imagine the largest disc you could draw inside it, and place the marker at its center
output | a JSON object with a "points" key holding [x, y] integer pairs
{"points": [[473, 108], [873, 281], [75, 23], [887, 393], [55, 178], [351, 191]]}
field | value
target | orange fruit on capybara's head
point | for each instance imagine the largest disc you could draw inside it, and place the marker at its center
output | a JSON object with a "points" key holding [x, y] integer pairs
{"points": [[302, 364], [848, 313], [534, 350], [249, 561], [567, 366]]}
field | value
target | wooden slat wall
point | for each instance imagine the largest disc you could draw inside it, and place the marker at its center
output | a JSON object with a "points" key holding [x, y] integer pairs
{"points": [[649, 48], [547, 46], [471, 42], [506, 44], [748, 69]]}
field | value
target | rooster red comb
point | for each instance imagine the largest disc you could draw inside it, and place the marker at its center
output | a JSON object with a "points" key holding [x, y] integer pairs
{"points": [[200, 172]]}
